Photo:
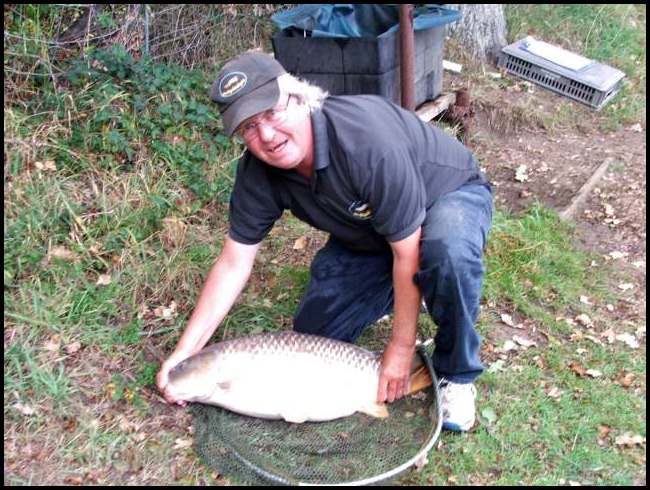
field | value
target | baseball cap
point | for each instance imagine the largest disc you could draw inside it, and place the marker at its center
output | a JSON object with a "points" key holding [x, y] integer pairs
{"points": [[245, 86]]}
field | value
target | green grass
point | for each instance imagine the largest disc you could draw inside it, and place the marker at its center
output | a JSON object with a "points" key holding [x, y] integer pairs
{"points": [[140, 193], [538, 440], [529, 265]]}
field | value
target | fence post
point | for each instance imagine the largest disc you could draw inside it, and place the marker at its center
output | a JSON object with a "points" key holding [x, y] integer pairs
{"points": [[146, 28]]}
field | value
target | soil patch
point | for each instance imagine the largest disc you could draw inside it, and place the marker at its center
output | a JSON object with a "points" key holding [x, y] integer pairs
{"points": [[558, 162]]}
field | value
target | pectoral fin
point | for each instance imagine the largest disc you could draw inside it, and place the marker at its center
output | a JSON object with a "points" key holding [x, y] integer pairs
{"points": [[375, 410]]}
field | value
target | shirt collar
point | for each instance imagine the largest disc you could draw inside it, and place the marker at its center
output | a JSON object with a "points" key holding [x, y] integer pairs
{"points": [[321, 140]]}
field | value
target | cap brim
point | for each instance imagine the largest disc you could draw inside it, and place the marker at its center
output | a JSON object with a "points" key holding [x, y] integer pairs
{"points": [[259, 100]]}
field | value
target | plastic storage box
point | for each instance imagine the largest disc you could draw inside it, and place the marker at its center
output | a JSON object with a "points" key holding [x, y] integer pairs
{"points": [[364, 65], [561, 71]]}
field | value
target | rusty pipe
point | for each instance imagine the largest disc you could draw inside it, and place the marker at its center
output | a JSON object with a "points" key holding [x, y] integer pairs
{"points": [[407, 56]]}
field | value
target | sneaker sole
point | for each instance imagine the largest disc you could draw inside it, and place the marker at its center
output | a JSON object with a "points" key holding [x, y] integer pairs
{"points": [[457, 428]]}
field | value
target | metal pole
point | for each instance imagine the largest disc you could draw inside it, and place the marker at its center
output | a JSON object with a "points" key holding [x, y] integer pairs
{"points": [[146, 29], [407, 57]]}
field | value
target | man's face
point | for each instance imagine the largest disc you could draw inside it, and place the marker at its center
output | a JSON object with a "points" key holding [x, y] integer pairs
{"points": [[281, 136]]}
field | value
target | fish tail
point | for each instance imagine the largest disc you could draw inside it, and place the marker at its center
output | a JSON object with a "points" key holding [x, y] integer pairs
{"points": [[420, 379]]}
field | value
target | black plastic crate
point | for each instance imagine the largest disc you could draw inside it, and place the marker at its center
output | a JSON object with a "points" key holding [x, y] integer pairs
{"points": [[363, 65]]}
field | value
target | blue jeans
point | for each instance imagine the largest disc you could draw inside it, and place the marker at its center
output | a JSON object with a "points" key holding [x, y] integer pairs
{"points": [[349, 291]]}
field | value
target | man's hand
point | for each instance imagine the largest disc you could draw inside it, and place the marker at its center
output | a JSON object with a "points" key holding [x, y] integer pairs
{"points": [[162, 378], [396, 364], [395, 372]]}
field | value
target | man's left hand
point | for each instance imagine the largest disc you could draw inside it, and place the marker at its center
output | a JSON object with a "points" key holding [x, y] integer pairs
{"points": [[395, 372]]}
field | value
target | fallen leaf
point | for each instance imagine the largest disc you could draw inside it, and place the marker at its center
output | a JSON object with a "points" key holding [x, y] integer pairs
{"points": [[577, 368], [554, 392], [166, 312], [53, 343], [629, 440], [507, 346], [70, 424], [73, 480], [496, 366], [60, 252], [584, 320], [520, 173], [594, 373], [593, 339], [173, 232], [628, 339], [95, 476], [610, 335], [110, 389], [421, 462], [489, 414], [625, 379], [603, 431], [47, 166], [182, 443], [103, 280], [300, 243], [567, 320], [523, 342], [73, 347], [25, 410], [507, 319]]}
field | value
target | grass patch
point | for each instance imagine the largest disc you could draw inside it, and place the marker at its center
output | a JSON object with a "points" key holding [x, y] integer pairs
{"points": [[539, 440], [530, 266]]}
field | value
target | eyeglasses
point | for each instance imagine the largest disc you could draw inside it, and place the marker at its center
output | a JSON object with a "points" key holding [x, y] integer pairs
{"points": [[249, 130]]}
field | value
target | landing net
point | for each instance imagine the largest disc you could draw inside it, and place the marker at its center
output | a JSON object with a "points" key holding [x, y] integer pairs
{"points": [[358, 449]]}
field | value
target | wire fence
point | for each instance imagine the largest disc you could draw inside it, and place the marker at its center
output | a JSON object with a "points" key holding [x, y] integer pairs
{"points": [[40, 38]]}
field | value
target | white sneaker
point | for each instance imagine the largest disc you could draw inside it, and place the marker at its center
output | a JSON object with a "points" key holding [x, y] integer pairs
{"points": [[458, 405]]}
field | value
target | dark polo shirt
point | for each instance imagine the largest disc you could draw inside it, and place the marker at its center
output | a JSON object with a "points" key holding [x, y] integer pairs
{"points": [[377, 169]]}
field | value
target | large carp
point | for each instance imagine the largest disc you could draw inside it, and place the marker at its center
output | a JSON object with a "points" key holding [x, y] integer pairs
{"points": [[287, 375]]}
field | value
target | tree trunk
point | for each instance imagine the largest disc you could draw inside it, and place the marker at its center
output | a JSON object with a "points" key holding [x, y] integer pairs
{"points": [[481, 30]]}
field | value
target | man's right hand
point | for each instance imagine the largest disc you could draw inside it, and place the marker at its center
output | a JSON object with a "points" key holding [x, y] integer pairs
{"points": [[224, 283], [162, 378]]}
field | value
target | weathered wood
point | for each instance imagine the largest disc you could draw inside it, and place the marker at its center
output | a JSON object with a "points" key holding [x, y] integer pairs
{"points": [[568, 213], [427, 111]]}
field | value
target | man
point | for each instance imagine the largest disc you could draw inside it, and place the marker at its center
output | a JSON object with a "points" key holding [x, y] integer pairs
{"points": [[407, 209]]}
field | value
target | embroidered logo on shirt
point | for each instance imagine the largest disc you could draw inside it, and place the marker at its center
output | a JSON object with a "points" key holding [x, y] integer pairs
{"points": [[360, 210]]}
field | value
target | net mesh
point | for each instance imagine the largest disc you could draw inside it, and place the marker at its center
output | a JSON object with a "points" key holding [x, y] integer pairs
{"points": [[253, 451]]}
